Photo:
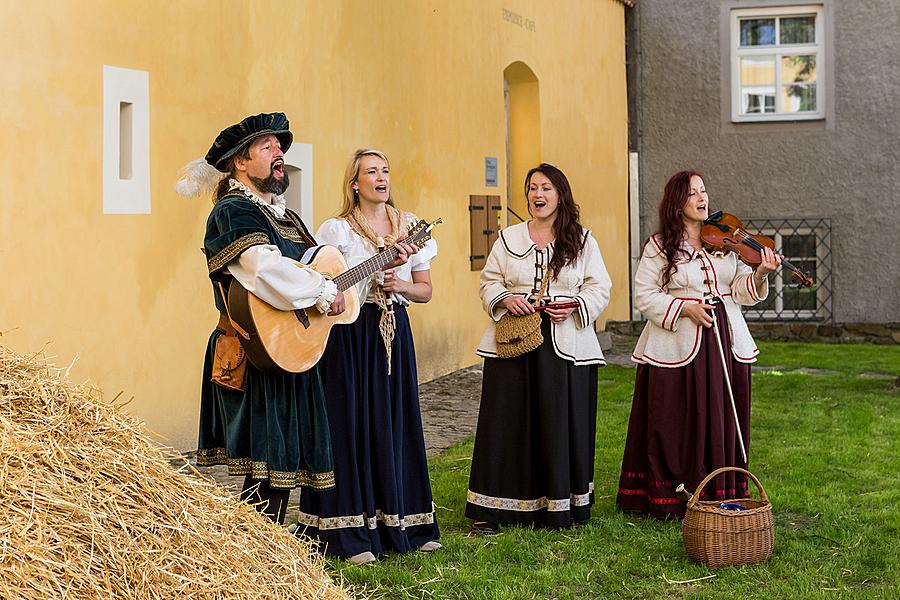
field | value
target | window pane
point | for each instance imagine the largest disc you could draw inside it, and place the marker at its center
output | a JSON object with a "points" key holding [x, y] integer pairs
{"points": [[757, 85], [798, 78], [757, 32], [758, 71], [799, 68], [758, 103], [800, 97], [798, 30], [798, 298], [769, 302], [799, 246]]}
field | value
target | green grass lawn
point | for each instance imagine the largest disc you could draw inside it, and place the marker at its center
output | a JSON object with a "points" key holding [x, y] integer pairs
{"points": [[825, 446]]}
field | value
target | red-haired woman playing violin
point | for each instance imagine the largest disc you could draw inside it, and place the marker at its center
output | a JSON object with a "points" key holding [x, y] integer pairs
{"points": [[682, 423]]}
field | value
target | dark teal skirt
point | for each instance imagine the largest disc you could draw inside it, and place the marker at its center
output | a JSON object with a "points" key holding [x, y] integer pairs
{"points": [[275, 430]]}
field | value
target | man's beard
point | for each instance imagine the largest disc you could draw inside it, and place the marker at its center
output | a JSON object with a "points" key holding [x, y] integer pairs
{"points": [[271, 185]]}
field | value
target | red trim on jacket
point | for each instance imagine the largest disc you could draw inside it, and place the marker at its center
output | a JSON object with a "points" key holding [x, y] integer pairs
{"points": [[645, 357], [666, 316]]}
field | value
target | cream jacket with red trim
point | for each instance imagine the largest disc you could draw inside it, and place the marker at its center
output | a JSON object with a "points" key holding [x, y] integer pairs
{"points": [[516, 266], [671, 340]]}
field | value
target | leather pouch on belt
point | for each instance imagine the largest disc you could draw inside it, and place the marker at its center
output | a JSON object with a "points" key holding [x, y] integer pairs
{"points": [[229, 363]]}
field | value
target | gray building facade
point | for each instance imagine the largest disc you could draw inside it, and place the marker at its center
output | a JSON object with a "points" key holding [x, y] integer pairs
{"points": [[791, 112]]}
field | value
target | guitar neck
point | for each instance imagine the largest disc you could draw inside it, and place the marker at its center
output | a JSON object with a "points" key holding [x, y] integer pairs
{"points": [[352, 276]]}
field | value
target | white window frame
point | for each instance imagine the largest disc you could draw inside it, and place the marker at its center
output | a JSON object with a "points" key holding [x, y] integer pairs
{"points": [[126, 191], [778, 51], [777, 280], [299, 195]]}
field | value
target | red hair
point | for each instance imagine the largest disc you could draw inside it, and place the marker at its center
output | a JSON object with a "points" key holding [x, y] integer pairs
{"points": [[671, 222]]}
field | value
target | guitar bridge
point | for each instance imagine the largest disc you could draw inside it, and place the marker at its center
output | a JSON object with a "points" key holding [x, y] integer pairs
{"points": [[301, 315]]}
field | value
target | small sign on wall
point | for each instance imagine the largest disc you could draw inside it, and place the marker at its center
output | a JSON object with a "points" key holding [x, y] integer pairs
{"points": [[490, 171]]}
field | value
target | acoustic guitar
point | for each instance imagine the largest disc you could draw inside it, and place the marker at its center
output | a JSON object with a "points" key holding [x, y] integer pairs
{"points": [[294, 340]]}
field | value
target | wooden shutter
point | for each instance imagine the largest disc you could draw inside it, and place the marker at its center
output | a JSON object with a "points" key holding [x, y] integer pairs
{"points": [[483, 218]]}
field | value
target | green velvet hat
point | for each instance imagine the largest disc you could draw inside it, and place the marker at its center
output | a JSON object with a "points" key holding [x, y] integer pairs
{"points": [[235, 138]]}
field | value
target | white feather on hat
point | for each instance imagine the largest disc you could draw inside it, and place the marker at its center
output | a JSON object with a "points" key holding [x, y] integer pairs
{"points": [[197, 177]]}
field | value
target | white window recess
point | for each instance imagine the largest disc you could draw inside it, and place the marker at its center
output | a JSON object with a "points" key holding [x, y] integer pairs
{"points": [[126, 141], [299, 195]]}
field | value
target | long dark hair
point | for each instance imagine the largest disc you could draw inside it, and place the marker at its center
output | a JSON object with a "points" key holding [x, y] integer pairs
{"points": [[671, 222], [222, 188], [566, 227]]}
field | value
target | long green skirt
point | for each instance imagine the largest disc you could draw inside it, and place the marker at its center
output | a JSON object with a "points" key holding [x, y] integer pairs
{"points": [[275, 430]]}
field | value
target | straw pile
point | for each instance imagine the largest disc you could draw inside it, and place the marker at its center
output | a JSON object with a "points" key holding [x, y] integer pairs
{"points": [[91, 507]]}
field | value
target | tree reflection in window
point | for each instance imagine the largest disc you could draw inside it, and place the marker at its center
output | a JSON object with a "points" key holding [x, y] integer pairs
{"points": [[800, 73]]}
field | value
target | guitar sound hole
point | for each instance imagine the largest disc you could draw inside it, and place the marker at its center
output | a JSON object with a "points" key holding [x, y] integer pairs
{"points": [[301, 315]]}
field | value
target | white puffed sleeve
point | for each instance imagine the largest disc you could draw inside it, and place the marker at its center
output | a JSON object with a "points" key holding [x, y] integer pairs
{"points": [[421, 260], [493, 282], [336, 232], [659, 307], [593, 297], [744, 289], [280, 281]]}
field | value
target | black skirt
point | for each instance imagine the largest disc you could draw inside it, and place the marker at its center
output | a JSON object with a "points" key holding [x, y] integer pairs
{"points": [[534, 446], [682, 428], [382, 501]]}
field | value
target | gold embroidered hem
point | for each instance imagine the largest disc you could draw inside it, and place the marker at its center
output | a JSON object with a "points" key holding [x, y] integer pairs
{"points": [[233, 250], [552, 505], [363, 520], [284, 480]]}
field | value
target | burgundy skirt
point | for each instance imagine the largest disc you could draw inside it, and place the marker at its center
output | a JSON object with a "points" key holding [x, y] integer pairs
{"points": [[682, 428]]}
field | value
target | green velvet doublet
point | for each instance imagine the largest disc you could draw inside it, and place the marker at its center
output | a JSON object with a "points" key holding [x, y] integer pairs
{"points": [[277, 428]]}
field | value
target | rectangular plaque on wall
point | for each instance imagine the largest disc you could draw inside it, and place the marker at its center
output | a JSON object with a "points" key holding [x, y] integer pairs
{"points": [[490, 171]]}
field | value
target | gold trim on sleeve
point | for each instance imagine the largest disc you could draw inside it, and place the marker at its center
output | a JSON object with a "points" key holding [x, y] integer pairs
{"points": [[232, 250]]}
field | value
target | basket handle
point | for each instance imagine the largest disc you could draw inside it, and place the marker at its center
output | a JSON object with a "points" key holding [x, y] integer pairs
{"points": [[696, 497]]}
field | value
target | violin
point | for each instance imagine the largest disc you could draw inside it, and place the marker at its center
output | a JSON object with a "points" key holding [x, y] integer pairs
{"points": [[723, 231]]}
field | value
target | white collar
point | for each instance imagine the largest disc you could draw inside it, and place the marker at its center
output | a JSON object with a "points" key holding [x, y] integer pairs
{"points": [[518, 242], [278, 208]]}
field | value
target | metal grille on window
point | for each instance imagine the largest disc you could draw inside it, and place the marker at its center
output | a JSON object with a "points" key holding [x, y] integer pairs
{"points": [[807, 244]]}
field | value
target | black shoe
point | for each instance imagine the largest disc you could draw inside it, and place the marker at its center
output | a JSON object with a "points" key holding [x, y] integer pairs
{"points": [[485, 528]]}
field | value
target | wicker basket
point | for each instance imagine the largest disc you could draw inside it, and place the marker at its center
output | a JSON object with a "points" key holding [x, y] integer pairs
{"points": [[719, 537]]}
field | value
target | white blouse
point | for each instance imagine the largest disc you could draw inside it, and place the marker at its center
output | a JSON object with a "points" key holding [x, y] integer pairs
{"points": [[278, 280], [356, 249]]}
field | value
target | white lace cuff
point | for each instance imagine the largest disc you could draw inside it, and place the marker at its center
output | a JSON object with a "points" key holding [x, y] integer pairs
{"points": [[326, 296]]}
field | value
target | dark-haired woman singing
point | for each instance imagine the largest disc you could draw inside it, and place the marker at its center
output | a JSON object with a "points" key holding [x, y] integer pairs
{"points": [[682, 422], [533, 462]]}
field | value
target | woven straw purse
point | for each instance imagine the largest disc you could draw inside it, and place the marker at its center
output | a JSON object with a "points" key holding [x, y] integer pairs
{"points": [[517, 335]]}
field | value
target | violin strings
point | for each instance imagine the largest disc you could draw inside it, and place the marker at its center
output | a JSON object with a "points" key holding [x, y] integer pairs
{"points": [[745, 237]]}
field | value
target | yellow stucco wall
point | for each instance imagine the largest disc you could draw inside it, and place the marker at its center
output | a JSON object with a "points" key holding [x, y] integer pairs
{"points": [[422, 80]]}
